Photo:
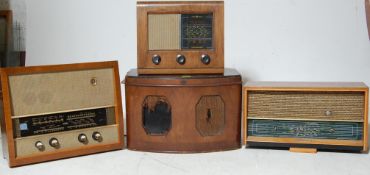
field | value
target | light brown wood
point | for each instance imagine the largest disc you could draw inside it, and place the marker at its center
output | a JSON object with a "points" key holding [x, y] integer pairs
{"points": [[366, 130], [245, 115], [307, 87], [168, 57], [303, 150], [315, 86], [8, 135]]}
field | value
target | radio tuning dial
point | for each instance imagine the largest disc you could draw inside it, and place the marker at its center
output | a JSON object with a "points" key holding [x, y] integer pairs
{"points": [[54, 143], [206, 59], [82, 138], [40, 146], [156, 59], [97, 136], [181, 59]]}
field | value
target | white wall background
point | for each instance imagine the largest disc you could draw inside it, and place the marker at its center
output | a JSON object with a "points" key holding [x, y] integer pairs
{"points": [[277, 40]]}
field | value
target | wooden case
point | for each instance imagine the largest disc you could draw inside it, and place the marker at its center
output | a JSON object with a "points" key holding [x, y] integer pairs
{"points": [[306, 115], [180, 37], [169, 113], [60, 111]]}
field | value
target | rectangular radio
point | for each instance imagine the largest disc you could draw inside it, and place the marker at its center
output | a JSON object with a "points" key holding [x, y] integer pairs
{"points": [[59, 111], [306, 116], [174, 113], [180, 37]]}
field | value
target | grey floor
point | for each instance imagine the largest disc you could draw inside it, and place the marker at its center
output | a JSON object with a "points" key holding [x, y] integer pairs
{"points": [[241, 161]]}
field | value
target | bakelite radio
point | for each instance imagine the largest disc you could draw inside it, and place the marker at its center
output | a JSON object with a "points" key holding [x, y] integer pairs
{"points": [[180, 37], [53, 112]]}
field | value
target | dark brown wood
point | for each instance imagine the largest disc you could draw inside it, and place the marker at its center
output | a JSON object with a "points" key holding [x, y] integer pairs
{"points": [[7, 125], [184, 93], [7, 14], [307, 87], [168, 64]]}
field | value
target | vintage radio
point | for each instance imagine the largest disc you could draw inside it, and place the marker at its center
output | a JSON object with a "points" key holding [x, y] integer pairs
{"points": [[306, 116], [53, 112], [169, 113], [180, 37]]}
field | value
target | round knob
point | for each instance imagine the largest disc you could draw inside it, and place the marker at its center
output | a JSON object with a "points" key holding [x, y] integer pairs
{"points": [[82, 138], [206, 59], [40, 146], [156, 59], [97, 136], [328, 113], [54, 142], [180, 59]]}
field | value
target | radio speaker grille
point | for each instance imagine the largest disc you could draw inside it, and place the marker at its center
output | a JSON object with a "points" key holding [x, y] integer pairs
{"points": [[164, 31], [52, 92], [306, 105]]}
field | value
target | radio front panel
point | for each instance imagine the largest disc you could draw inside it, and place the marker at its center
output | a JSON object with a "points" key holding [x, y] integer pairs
{"points": [[53, 112], [306, 115], [180, 37]]}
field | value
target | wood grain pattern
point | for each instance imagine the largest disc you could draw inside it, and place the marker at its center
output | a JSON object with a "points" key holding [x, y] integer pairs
{"points": [[168, 61], [308, 87], [210, 115], [183, 94], [8, 135]]}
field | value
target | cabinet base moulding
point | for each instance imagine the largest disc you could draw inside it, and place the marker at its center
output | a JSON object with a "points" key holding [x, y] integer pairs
{"points": [[303, 150]]}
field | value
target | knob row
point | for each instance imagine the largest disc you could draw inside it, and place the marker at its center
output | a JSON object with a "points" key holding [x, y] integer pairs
{"points": [[205, 59], [82, 138]]}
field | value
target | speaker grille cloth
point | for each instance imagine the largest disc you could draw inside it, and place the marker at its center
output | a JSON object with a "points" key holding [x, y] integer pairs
{"points": [[164, 31], [61, 91], [306, 105]]}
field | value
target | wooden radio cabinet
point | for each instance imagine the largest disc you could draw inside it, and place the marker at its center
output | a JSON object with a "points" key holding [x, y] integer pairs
{"points": [[180, 37], [306, 115], [59, 111], [174, 113]]}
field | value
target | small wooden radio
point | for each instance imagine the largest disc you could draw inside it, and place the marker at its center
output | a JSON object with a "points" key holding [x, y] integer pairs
{"points": [[180, 37], [53, 112], [306, 116], [169, 113]]}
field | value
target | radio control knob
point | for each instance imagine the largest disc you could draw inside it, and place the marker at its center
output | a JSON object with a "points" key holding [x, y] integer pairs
{"points": [[97, 136], [82, 138], [206, 59], [156, 59], [40, 146], [54, 142], [181, 59]]}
